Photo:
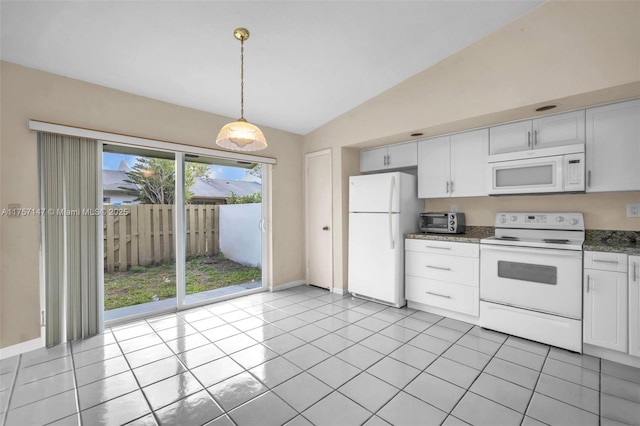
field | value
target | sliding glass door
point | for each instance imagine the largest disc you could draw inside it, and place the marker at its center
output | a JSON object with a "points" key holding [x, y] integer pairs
{"points": [[223, 232], [179, 230], [139, 231]]}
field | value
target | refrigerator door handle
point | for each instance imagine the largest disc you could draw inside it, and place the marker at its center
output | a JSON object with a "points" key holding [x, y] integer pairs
{"points": [[391, 189]]}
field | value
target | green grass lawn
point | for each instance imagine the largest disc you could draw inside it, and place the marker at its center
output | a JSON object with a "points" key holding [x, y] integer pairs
{"points": [[152, 283]]}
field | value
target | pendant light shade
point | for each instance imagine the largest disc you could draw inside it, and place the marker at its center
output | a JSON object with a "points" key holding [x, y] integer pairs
{"points": [[241, 135]]}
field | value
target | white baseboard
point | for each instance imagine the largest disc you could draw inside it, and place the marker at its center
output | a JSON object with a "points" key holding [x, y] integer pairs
{"points": [[286, 285], [611, 355], [21, 348], [340, 291]]}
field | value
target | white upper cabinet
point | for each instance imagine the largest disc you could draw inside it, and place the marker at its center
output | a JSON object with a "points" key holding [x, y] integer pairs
{"points": [[468, 162], [390, 157], [613, 147], [510, 137], [544, 132], [453, 166], [434, 168]]}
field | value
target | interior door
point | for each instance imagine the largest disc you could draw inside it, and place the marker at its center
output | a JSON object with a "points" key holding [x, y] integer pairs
{"points": [[319, 226]]}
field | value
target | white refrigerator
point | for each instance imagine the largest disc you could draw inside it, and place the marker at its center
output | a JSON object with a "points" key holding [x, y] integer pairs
{"points": [[382, 208]]}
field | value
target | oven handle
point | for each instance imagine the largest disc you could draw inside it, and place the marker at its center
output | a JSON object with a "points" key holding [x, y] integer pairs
{"points": [[515, 249]]}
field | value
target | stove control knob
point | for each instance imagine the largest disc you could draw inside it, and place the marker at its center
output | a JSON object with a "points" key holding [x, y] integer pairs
{"points": [[503, 220], [560, 219], [573, 221], [514, 218]]}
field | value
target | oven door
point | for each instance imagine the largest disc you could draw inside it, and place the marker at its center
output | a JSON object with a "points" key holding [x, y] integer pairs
{"points": [[544, 280]]}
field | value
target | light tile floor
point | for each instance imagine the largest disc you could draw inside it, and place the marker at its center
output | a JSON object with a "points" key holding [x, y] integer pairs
{"points": [[308, 357]]}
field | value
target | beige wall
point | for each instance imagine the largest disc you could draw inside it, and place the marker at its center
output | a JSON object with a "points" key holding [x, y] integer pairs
{"points": [[601, 211], [571, 53], [30, 94]]}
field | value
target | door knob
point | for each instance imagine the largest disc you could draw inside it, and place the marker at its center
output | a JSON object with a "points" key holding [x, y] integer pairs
{"points": [[325, 228]]}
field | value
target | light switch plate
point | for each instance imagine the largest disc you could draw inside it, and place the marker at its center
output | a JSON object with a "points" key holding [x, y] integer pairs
{"points": [[633, 210]]}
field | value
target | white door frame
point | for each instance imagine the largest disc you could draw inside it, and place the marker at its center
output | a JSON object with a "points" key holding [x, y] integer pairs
{"points": [[306, 211]]}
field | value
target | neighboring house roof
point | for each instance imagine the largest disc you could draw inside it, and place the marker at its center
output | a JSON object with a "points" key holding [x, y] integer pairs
{"points": [[113, 180], [222, 188]]}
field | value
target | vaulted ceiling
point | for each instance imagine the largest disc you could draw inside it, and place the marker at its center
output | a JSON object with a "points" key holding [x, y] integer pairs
{"points": [[306, 62]]}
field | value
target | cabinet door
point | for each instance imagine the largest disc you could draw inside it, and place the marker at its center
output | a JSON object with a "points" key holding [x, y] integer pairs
{"points": [[605, 309], [560, 129], [433, 168], [373, 159], [403, 155], [468, 163], [634, 305], [510, 137], [613, 147]]}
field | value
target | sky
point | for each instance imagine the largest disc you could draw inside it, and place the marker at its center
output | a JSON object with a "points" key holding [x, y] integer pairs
{"points": [[111, 161]]}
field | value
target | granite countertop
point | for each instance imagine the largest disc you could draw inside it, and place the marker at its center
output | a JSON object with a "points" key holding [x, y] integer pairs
{"points": [[626, 242], [473, 234]]}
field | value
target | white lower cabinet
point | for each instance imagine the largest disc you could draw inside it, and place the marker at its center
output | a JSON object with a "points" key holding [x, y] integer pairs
{"points": [[443, 274], [612, 301], [605, 309], [634, 305]]}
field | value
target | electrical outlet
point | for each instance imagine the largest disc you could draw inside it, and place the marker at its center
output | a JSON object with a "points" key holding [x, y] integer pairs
{"points": [[633, 210], [454, 208]]}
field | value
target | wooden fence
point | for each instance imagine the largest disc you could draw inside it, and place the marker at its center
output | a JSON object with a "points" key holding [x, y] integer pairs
{"points": [[142, 234]]}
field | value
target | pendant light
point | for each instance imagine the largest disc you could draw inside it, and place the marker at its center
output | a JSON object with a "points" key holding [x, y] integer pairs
{"points": [[241, 135]]}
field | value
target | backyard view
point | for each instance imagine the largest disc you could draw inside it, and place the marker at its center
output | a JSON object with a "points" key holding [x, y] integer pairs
{"points": [[157, 282], [139, 234]]}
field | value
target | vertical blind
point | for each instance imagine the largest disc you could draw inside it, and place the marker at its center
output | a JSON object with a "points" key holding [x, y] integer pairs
{"points": [[71, 245]]}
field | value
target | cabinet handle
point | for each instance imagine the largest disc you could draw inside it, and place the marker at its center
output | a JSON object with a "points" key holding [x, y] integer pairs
{"points": [[388, 160], [535, 137], [588, 283], [634, 265], [614, 262], [447, 187], [384, 161], [437, 267], [452, 187], [439, 248], [589, 179], [529, 138], [439, 295]]}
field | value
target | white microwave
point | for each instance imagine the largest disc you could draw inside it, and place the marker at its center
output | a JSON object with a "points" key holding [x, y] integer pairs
{"points": [[558, 173]]}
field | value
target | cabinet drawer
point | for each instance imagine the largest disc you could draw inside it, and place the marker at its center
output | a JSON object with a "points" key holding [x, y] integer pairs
{"points": [[455, 269], [604, 261], [442, 247], [454, 297]]}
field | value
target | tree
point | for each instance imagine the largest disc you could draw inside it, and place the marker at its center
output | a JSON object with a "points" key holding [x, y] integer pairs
{"points": [[155, 179], [246, 199]]}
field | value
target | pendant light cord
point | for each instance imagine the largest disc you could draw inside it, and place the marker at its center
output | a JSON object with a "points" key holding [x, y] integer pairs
{"points": [[242, 78]]}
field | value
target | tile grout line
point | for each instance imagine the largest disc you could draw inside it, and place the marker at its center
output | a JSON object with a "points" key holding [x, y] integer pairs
{"points": [[13, 386], [75, 384], [117, 342], [450, 413], [533, 391]]}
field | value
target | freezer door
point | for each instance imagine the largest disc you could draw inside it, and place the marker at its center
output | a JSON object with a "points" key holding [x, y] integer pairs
{"points": [[375, 193], [376, 263]]}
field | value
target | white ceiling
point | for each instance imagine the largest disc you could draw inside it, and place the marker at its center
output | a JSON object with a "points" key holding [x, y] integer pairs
{"points": [[306, 62]]}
